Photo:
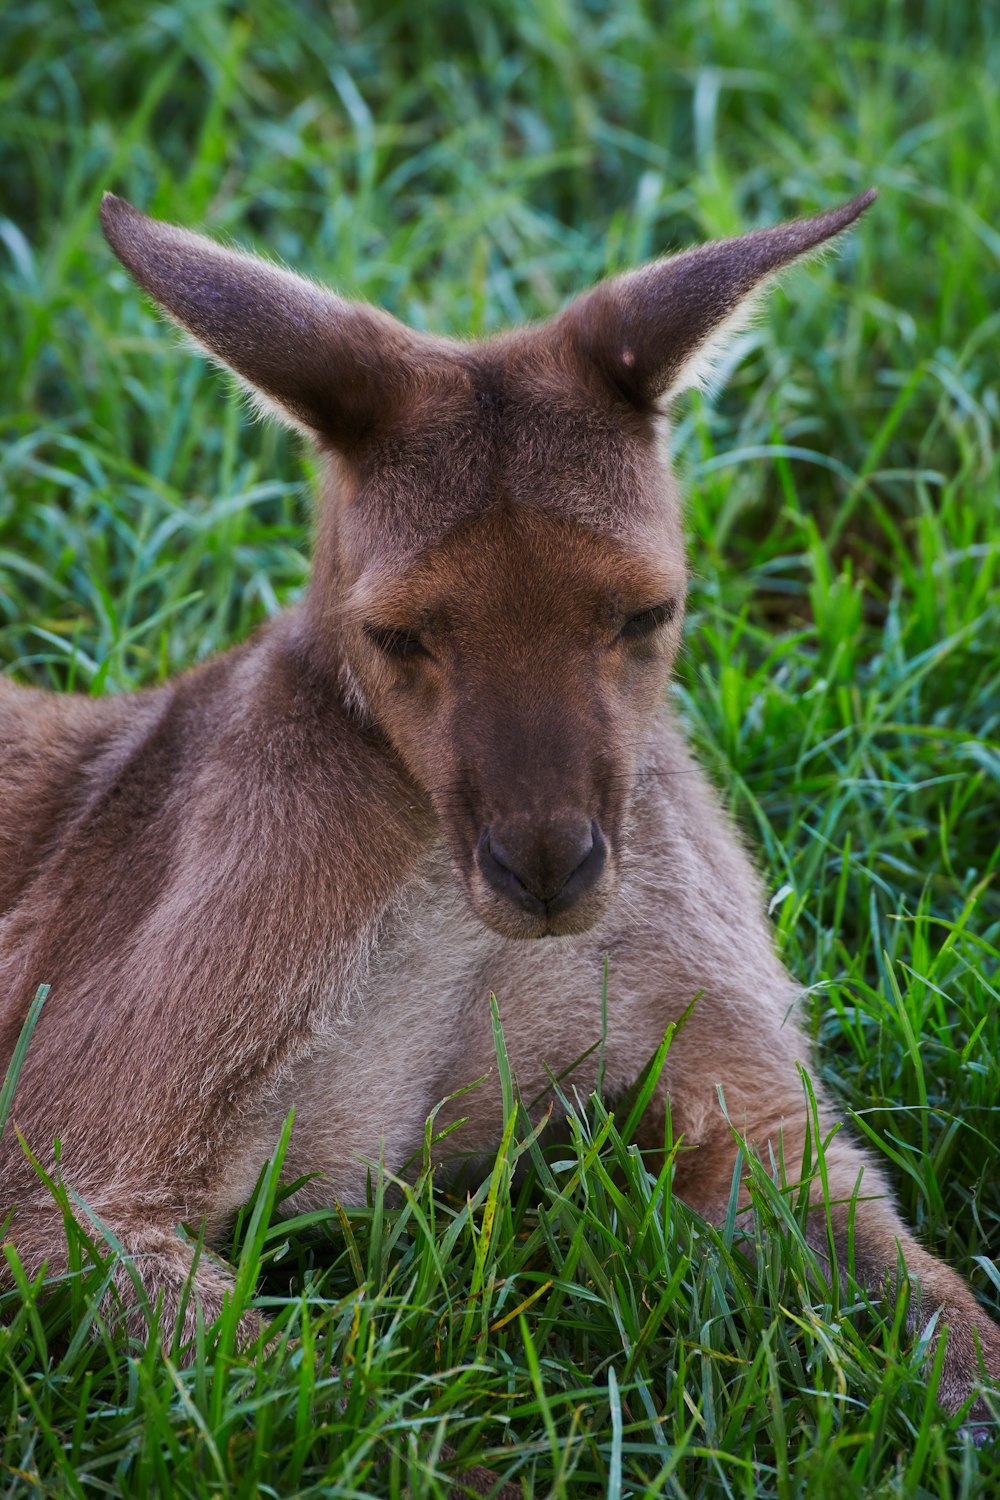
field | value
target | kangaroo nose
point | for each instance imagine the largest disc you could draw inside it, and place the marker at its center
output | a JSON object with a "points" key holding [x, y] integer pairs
{"points": [[542, 873]]}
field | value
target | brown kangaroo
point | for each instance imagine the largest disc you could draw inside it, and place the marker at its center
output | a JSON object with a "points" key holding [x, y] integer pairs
{"points": [[293, 876]]}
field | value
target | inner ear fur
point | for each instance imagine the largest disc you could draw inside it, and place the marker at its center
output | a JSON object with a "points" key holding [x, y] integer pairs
{"points": [[330, 367], [656, 331]]}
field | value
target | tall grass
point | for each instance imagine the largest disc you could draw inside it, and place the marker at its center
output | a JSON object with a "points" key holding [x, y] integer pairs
{"points": [[574, 1327]]}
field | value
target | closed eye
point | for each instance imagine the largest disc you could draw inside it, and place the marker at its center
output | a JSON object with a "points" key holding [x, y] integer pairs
{"points": [[646, 622], [397, 645]]}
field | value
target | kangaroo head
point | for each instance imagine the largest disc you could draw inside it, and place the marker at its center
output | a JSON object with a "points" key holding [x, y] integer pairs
{"points": [[500, 568]]}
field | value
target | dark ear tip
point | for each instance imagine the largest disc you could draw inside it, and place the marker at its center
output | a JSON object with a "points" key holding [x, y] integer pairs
{"points": [[113, 214], [825, 226], [854, 207]]}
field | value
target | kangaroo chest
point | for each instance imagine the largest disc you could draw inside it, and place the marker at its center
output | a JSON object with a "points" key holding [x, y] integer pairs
{"points": [[388, 1041], [409, 1026]]}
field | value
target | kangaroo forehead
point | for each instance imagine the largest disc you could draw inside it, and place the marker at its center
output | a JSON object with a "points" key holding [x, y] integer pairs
{"points": [[514, 558], [490, 431]]}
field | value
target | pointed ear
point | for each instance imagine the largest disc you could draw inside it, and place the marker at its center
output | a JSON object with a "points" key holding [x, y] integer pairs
{"points": [[324, 365], [656, 331]]}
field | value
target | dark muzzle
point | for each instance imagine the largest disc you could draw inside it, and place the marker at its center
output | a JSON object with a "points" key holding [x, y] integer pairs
{"points": [[542, 872]]}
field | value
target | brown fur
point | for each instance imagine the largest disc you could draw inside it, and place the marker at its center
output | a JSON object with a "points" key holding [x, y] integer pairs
{"points": [[294, 875]]}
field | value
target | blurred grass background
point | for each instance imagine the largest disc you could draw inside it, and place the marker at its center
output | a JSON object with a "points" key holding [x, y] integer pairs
{"points": [[470, 168]]}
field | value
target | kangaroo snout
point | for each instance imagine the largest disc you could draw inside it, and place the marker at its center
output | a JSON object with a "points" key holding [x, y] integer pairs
{"points": [[543, 871]]}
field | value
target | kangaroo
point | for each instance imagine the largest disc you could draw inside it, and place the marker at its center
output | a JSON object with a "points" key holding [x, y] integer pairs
{"points": [[294, 875]]}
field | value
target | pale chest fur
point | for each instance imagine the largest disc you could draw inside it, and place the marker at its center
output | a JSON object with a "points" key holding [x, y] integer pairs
{"points": [[407, 1020], [386, 1042], [408, 1023]]}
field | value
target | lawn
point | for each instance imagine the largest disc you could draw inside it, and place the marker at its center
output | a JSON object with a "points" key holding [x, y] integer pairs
{"points": [[573, 1326]]}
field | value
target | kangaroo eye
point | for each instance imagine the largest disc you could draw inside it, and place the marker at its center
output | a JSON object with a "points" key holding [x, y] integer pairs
{"points": [[646, 622], [397, 645]]}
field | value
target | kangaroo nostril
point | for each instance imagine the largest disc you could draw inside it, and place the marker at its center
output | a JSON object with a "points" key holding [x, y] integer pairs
{"points": [[543, 873], [498, 852], [586, 873], [496, 867]]}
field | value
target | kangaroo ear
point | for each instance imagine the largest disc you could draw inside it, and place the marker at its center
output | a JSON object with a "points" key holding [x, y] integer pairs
{"points": [[656, 331], [321, 364]]}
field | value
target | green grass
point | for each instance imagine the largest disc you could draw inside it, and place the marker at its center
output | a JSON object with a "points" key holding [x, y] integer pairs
{"points": [[574, 1327]]}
